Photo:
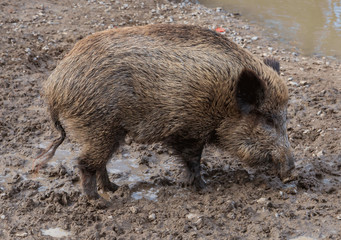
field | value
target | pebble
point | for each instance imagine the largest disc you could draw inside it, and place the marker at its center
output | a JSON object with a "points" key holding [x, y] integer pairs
{"points": [[125, 6], [24, 234], [291, 189], [293, 83], [320, 154], [338, 217], [2, 217], [254, 38], [152, 217], [133, 209], [219, 9], [261, 200], [195, 218]]}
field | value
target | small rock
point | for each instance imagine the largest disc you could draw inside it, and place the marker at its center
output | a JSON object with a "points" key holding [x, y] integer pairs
{"points": [[261, 200], [270, 48], [24, 234], [330, 189], [291, 189], [125, 6], [293, 83], [320, 154], [195, 218], [303, 83], [338, 217], [254, 38], [2, 217], [192, 216], [152, 217], [133, 209]]}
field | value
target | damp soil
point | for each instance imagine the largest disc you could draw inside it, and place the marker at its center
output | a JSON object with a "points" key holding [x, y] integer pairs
{"points": [[239, 202]]}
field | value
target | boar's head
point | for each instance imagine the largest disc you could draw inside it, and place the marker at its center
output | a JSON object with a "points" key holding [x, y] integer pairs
{"points": [[258, 130]]}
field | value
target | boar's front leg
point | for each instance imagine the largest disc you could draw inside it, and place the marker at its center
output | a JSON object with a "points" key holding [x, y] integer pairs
{"points": [[103, 180], [190, 150]]}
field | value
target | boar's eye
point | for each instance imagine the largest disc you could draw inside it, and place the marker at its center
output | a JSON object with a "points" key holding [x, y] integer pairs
{"points": [[270, 121]]}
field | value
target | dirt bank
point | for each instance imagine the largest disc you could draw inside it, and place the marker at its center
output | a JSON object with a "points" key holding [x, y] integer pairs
{"points": [[238, 203]]}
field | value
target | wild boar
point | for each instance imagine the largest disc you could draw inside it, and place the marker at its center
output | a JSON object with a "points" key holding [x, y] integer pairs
{"points": [[184, 86]]}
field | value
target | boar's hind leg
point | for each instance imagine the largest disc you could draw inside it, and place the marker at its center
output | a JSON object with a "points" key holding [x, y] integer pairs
{"points": [[92, 164], [190, 152], [88, 179]]}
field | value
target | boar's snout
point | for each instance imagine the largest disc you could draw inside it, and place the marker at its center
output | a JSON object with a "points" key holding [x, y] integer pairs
{"points": [[287, 164]]}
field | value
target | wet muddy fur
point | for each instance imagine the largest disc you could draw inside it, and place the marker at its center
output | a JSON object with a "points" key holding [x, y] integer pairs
{"points": [[181, 85]]}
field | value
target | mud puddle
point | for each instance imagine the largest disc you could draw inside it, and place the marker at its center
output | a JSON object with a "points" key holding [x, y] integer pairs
{"points": [[55, 232], [124, 167]]}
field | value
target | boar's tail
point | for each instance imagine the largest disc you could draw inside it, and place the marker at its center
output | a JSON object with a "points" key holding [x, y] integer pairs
{"points": [[51, 149]]}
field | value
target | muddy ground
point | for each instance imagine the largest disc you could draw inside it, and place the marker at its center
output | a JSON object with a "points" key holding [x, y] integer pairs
{"points": [[238, 203]]}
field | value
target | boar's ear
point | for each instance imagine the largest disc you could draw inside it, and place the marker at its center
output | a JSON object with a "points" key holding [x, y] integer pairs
{"points": [[271, 62], [250, 91]]}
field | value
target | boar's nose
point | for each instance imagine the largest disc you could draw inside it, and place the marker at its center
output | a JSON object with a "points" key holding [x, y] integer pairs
{"points": [[287, 165]]}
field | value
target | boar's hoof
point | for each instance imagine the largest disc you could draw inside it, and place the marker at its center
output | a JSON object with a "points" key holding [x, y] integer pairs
{"points": [[195, 181], [103, 181], [92, 195], [199, 183], [109, 186]]}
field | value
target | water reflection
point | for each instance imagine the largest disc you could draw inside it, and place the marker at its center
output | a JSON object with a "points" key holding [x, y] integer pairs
{"points": [[312, 25]]}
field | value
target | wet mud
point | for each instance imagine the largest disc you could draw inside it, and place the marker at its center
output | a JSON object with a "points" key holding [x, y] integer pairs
{"points": [[151, 203]]}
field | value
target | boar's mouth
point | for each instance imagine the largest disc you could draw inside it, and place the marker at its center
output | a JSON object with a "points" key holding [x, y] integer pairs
{"points": [[283, 167]]}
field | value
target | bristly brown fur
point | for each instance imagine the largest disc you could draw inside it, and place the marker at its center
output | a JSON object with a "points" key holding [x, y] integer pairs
{"points": [[175, 84]]}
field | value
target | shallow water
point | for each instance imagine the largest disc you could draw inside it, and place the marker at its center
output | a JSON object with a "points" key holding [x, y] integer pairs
{"points": [[150, 194], [312, 26], [126, 167], [55, 232]]}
